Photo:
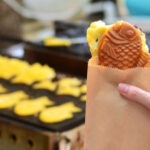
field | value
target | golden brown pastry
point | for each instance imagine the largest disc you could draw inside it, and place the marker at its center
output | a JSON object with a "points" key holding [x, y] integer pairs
{"points": [[120, 46]]}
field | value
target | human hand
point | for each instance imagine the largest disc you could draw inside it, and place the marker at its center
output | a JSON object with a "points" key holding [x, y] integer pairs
{"points": [[135, 94]]}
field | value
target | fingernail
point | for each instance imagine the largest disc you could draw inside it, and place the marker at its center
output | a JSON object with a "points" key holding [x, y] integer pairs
{"points": [[123, 87]]}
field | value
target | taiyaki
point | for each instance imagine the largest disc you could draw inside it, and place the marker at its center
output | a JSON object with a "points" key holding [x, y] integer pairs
{"points": [[120, 46]]}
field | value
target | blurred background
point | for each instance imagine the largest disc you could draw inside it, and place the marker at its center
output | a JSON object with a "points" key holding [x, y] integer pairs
{"points": [[38, 20], [35, 20], [52, 32]]}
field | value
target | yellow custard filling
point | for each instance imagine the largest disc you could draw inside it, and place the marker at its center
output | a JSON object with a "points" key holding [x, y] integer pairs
{"points": [[9, 100], [94, 34], [59, 113], [32, 106], [49, 85]]}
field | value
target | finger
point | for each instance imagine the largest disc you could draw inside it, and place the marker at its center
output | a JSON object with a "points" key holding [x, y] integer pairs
{"points": [[135, 94]]}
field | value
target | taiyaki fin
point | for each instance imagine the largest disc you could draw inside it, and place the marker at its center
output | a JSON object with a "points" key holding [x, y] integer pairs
{"points": [[115, 40], [147, 64], [109, 50], [143, 59]]}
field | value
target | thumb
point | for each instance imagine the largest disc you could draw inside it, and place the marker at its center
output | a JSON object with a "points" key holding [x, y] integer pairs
{"points": [[135, 94]]}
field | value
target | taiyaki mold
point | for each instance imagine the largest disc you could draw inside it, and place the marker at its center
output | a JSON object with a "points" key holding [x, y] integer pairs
{"points": [[120, 45]]}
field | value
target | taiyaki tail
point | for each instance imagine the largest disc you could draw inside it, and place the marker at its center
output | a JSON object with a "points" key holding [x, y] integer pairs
{"points": [[144, 60]]}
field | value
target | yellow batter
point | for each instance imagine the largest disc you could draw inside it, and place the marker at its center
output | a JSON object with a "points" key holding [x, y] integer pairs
{"points": [[47, 84], [83, 88], [32, 106], [83, 98], [69, 82], [59, 113], [11, 67], [36, 72], [2, 89], [52, 41], [24, 72], [69, 86], [9, 100], [71, 91]]}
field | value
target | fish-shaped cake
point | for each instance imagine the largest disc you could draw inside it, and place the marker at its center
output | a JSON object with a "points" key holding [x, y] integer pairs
{"points": [[120, 45]]}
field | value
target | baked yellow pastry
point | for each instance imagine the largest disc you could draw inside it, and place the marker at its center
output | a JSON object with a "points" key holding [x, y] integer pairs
{"points": [[3, 89], [69, 86], [59, 113], [11, 67], [36, 72], [46, 84], [52, 41], [69, 82], [32, 106], [83, 98], [10, 99], [71, 91], [83, 88]]}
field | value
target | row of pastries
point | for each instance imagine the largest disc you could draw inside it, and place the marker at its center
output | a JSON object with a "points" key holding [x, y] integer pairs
{"points": [[42, 75], [39, 77], [43, 107]]}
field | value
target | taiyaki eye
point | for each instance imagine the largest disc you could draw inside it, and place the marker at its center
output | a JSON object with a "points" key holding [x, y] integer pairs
{"points": [[130, 33]]}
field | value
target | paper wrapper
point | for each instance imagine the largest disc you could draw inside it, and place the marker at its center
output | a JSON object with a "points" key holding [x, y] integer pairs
{"points": [[112, 121]]}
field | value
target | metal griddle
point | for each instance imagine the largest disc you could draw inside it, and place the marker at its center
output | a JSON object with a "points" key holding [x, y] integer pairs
{"points": [[64, 64], [33, 120], [29, 133]]}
